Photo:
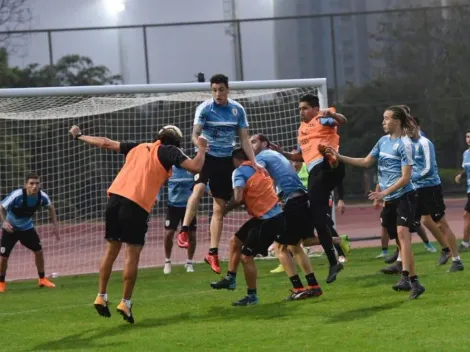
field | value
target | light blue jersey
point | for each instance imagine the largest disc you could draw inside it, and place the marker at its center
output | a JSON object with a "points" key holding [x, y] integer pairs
{"points": [[14, 202], [466, 167], [220, 124], [391, 155], [425, 171], [240, 177], [180, 186], [282, 172]]}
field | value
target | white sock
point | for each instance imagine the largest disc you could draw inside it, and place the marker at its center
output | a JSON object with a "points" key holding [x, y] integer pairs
{"points": [[127, 302], [399, 258], [456, 259], [167, 260], [189, 262], [104, 296]]}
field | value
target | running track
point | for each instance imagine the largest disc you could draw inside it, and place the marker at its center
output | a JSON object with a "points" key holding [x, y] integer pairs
{"points": [[81, 245]]}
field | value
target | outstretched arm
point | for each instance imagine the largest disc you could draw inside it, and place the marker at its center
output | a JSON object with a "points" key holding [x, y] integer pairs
{"points": [[195, 165], [289, 156], [366, 162], [246, 145], [53, 216], [100, 142]]}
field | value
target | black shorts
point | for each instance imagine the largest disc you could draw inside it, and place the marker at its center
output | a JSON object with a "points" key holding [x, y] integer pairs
{"points": [[28, 238], [126, 221], [467, 206], [322, 180], [431, 202], [217, 171], [175, 216], [399, 212], [258, 235], [298, 224]]}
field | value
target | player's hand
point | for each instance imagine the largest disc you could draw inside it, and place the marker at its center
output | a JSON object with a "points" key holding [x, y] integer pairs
{"points": [[202, 144], [276, 147], [457, 178], [7, 226], [74, 131], [341, 207], [376, 195], [260, 168], [55, 231], [376, 204]]}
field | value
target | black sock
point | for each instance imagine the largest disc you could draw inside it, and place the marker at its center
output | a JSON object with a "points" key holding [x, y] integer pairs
{"points": [[2, 278], [185, 228], [311, 280], [426, 241], [41, 275], [231, 275], [446, 250], [405, 273], [414, 278], [251, 291], [384, 249], [213, 251], [296, 281]]}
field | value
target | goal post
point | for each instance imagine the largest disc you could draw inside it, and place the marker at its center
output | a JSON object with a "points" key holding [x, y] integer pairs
{"points": [[34, 124]]}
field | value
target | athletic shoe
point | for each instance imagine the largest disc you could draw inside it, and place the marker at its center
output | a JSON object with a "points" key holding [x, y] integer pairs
{"points": [[249, 300], [225, 283], [382, 255], [213, 261], [444, 258], [402, 285], [334, 270], [167, 268], [344, 244], [189, 268], [394, 269], [430, 248], [125, 312], [314, 291], [102, 307], [416, 290], [463, 248], [297, 294], [457, 265], [328, 152], [342, 259], [392, 259], [45, 283], [3, 287], [278, 269], [183, 239]]}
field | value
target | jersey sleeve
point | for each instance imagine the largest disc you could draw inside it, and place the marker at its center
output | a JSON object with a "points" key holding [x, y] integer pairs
{"points": [[260, 160], [200, 116], [169, 155], [375, 152], [238, 178], [45, 200], [8, 201], [406, 152], [328, 121], [242, 120], [127, 146]]}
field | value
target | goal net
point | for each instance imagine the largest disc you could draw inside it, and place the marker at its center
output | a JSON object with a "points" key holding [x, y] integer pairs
{"points": [[34, 126]]}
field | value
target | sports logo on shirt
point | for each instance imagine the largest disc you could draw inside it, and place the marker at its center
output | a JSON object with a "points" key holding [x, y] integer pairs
{"points": [[395, 146], [2, 250], [167, 223], [196, 177], [235, 111]]}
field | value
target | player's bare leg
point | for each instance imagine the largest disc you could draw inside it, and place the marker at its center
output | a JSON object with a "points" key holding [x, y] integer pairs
{"points": [[191, 250], [3, 272], [465, 245], [111, 252], [168, 244], [251, 274], [229, 281], [39, 260], [216, 226], [384, 241], [424, 237], [191, 211]]}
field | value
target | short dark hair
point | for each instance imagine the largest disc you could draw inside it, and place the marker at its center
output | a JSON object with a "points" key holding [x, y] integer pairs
{"points": [[31, 175], [239, 154], [311, 100], [263, 138], [219, 79]]}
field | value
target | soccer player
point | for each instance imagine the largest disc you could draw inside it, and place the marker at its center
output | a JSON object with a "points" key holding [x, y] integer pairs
{"points": [[217, 119], [431, 206], [394, 155], [180, 185], [319, 127], [130, 199], [16, 214], [256, 190], [465, 245]]}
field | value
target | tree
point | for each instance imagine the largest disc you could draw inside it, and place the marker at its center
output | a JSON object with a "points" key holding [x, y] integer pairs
{"points": [[14, 15]]}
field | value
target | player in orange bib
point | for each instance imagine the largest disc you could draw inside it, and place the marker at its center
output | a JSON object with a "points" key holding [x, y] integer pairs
{"points": [[131, 197], [319, 128]]}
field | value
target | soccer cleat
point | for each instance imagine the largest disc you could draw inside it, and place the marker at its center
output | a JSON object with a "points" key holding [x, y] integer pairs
{"points": [[402, 285], [430, 248], [125, 312], [416, 290], [392, 259], [167, 268], [334, 270], [102, 307], [314, 291], [457, 265], [382, 255], [189, 268], [183, 239], [329, 153], [213, 261], [297, 294], [344, 244], [463, 248], [444, 258], [3, 287], [249, 300], [45, 283], [394, 269], [225, 283], [278, 269]]}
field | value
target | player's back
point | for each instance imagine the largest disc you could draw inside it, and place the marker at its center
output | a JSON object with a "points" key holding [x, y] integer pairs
{"points": [[425, 170], [466, 167], [281, 171], [180, 186]]}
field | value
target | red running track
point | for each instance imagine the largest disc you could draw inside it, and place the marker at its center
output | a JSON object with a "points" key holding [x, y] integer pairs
{"points": [[82, 244]]}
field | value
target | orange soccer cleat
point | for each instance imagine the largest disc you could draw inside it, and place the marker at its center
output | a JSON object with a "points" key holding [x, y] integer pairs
{"points": [[45, 283]]}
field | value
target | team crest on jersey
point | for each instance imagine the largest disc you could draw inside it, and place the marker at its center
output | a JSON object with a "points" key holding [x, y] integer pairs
{"points": [[417, 148], [235, 111], [395, 146], [196, 177], [2, 250], [167, 223]]}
